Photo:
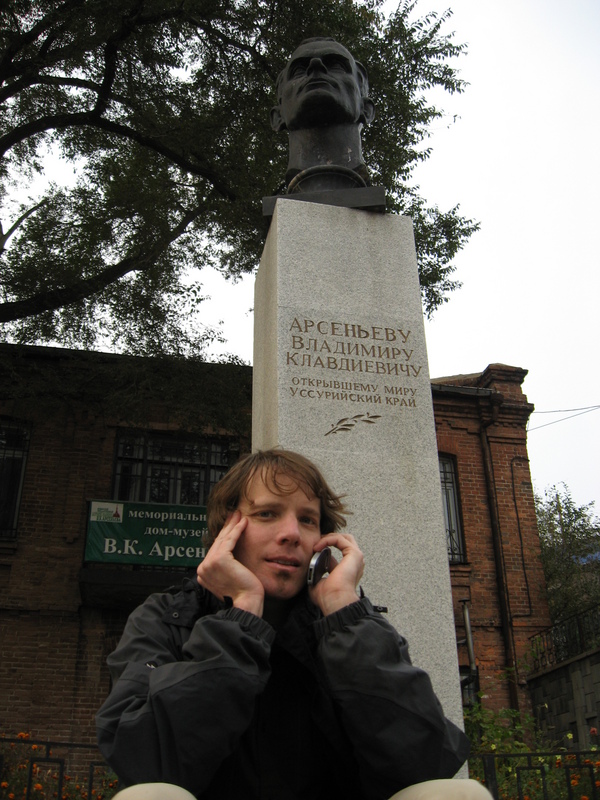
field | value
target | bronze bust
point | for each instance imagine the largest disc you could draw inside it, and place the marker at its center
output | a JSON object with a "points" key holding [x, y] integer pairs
{"points": [[323, 103]]}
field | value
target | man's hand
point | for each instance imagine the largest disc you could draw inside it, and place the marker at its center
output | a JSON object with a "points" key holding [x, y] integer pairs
{"points": [[224, 576], [339, 588]]}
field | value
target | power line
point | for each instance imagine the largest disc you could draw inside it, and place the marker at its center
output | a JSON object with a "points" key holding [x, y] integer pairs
{"points": [[567, 410], [586, 410]]}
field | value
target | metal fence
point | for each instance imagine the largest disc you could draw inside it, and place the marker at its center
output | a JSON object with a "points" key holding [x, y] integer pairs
{"points": [[551, 775], [31, 769], [566, 640], [38, 770]]}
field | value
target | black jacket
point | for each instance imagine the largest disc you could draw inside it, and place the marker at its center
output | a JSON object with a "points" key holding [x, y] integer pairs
{"points": [[212, 699]]}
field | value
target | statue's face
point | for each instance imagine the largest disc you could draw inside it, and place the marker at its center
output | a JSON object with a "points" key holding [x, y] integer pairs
{"points": [[320, 85]]}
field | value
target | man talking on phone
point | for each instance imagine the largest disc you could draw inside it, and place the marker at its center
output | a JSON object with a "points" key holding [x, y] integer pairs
{"points": [[250, 684]]}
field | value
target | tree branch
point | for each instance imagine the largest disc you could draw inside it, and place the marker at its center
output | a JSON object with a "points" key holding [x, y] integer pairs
{"points": [[209, 29], [12, 89], [4, 237], [18, 42], [54, 299], [91, 119]]}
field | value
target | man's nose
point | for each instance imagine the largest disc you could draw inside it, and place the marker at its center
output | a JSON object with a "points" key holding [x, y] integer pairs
{"points": [[289, 530], [316, 65]]}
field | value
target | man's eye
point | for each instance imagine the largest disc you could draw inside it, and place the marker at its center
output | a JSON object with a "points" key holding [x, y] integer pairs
{"points": [[309, 521], [297, 69], [338, 63], [264, 514]]}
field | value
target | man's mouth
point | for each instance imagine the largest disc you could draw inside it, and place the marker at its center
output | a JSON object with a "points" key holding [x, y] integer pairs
{"points": [[284, 562], [317, 83]]}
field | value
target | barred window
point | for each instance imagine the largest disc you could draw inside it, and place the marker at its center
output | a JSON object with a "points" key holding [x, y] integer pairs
{"points": [[163, 468], [454, 534], [14, 443]]}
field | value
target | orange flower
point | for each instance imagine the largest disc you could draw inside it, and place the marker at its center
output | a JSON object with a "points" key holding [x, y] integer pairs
{"points": [[11, 796], [38, 787], [4, 785]]}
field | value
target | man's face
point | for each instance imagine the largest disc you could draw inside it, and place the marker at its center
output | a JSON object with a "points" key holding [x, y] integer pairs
{"points": [[280, 535], [320, 86]]}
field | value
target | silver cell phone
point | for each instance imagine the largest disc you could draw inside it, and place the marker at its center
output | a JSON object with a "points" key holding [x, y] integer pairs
{"points": [[319, 565]]}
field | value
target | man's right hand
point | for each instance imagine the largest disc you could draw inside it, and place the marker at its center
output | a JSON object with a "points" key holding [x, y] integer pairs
{"points": [[223, 575]]}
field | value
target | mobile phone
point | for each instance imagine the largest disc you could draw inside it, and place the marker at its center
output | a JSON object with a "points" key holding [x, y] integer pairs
{"points": [[319, 565]]}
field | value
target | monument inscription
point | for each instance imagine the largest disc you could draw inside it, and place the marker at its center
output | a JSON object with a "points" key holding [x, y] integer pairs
{"points": [[337, 361]]}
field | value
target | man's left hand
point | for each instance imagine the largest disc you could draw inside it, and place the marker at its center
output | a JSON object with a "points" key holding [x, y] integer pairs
{"points": [[338, 589]]}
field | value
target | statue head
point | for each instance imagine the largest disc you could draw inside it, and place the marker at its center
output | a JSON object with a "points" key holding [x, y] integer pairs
{"points": [[321, 85]]}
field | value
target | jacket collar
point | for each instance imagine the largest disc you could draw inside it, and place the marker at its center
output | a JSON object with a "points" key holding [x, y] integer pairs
{"points": [[190, 603]]}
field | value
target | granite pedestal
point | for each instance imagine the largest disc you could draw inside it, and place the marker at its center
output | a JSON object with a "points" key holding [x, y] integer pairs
{"points": [[341, 375]]}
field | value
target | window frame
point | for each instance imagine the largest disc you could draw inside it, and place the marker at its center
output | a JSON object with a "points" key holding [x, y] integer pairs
{"points": [[452, 509], [10, 499], [153, 479]]}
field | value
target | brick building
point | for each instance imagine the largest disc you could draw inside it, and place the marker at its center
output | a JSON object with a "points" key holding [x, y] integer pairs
{"points": [[80, 427], [481, 434]]}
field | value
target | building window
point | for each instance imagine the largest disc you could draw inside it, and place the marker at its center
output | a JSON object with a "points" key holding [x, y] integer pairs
{"points": [[469, 686], [164, 468], [14, 443], [454, 535]]}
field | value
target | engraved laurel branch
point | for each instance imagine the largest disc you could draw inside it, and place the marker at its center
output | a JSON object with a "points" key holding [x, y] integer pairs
{"points": [[347, 423]]}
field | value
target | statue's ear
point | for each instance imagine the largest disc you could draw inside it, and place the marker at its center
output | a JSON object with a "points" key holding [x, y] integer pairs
{"points": [[277, 122], [368, 111]]}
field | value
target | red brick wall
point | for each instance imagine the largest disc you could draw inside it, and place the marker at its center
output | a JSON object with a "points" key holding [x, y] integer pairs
{"points": [[53, 648], [52, 673], [69, 462], [481, 422]]}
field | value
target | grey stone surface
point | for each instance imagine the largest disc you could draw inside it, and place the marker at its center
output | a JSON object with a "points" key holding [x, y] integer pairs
{"points": [[341, 375]]}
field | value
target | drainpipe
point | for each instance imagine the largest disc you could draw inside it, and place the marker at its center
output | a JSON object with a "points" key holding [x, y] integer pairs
{"points": [[505, 618], [472, 676]]}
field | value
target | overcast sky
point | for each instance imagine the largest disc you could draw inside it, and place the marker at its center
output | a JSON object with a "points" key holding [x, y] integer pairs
{"points": [[523, 159]]}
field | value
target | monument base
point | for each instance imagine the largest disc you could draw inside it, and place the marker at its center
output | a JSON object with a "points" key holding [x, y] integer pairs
{"points": [[371, 198], [341, 375]]}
